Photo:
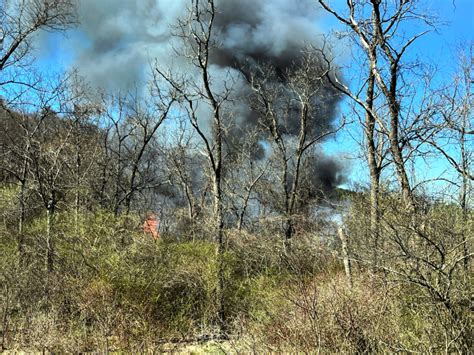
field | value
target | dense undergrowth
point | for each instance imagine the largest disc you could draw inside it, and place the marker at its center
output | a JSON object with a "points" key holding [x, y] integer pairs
{"points": [[145, 295]]}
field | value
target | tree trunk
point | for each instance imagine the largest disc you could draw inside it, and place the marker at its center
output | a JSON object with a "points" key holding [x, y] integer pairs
{"points": [[390, 92], [49, 240], [402, 175], [345, 257], [22, 197], [296, 177], [21, 222], [372, 161], [244, 208], [219, 230], [465, 184], [288, 217], [375, 217], [77, 195], [190, 200]]}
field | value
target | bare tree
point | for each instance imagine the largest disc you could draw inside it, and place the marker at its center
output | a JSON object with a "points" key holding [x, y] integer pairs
{"points": [[114, 160], [376, 26], [130, 152], [183, 162], [25, 128], [20, 21], [453, 134], [147, 124], [293, 113], [197, 31], [246, 168], [53, 154], [50, 167]]}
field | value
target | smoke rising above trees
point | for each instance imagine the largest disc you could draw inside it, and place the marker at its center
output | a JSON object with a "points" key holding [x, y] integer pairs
{"points": [[118, 40]]}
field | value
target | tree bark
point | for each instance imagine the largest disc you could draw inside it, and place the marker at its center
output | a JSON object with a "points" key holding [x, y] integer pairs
{"points": [[346, 257], [373, 161], [50, 210]]}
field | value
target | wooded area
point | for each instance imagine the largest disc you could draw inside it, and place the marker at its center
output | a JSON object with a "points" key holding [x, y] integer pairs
{"points": [[264, 244]]}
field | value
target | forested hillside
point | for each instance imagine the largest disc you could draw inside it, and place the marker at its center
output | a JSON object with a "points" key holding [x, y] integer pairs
{"points": [[200, 207]]}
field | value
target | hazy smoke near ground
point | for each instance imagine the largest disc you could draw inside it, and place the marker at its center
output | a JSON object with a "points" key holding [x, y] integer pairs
{"points": [[326, 173], [117, 40]]}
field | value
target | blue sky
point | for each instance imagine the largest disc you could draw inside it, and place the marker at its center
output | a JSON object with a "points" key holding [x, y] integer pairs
{"points": [[438, 48]]}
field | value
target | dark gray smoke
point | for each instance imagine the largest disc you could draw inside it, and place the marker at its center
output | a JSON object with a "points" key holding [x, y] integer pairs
{"points": [[325, 173], [321, 174], [272, 36], [117, 39], [264, 31]]}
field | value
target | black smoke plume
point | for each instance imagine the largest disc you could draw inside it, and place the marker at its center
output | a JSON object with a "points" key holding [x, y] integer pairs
{"points": [[118, 38], [274, 37]]}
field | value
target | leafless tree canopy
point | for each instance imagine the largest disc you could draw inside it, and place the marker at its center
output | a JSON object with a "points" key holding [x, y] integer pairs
{"points": [[261, 240]]}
